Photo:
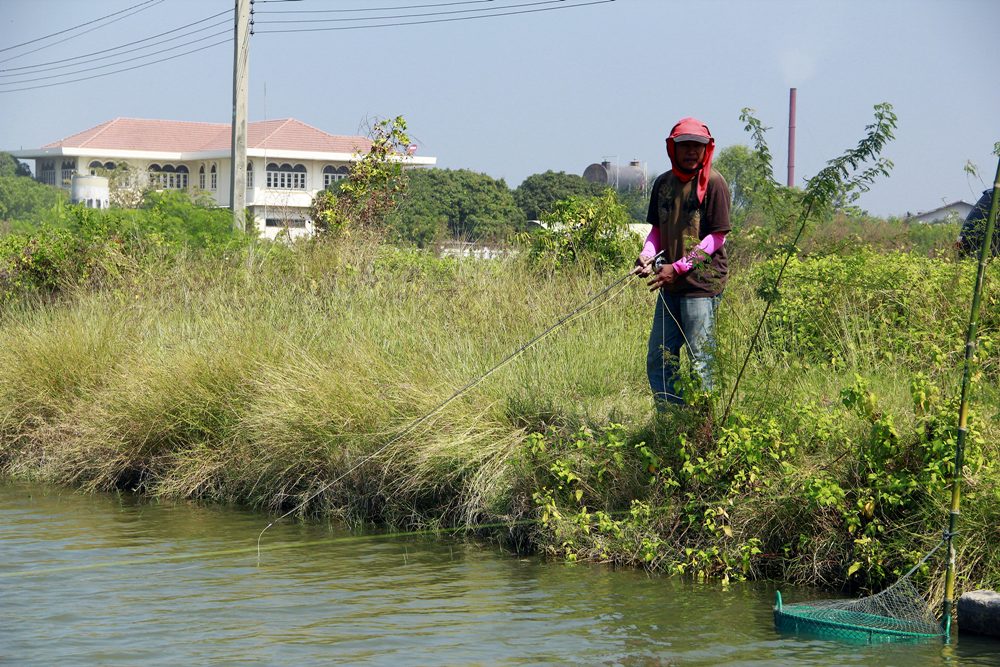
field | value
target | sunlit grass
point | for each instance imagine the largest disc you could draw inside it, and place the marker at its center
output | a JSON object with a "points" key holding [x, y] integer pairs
{"points": [[318, 379]]}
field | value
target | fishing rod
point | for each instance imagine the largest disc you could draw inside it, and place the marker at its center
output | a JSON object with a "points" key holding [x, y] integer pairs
{"points": [[963, 408], [469, 385]]}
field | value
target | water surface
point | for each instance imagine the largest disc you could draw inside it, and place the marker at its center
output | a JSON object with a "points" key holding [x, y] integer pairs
{"points": [[107, 580]]}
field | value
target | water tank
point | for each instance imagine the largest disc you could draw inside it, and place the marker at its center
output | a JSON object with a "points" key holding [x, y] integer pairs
{"points": [[91, 191], [630, 177]]}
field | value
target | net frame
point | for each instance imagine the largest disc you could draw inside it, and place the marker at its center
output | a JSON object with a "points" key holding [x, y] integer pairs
{"points": [[899, 613]]}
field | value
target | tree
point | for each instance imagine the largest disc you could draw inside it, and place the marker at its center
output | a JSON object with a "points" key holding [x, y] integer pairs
{"points": [[742, 170], [25, 199], [636, 201], [127, 187], [372, 189], [11, 166], [457, 203], [538, 193]]}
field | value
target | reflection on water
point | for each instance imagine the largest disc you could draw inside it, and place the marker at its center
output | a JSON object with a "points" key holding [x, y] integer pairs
{"points": [[90, 580]]}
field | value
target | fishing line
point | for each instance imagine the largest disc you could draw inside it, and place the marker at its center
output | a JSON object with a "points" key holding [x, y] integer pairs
{"points": [[582, 308]]}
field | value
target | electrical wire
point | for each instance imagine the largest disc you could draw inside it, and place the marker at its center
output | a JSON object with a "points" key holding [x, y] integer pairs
{"points": [[406, 16], [120, 62], [60, 32], [447, 20], [138, 41], [61, 64], [98, 27], [39, 67], [371, 9], [124, 69]]}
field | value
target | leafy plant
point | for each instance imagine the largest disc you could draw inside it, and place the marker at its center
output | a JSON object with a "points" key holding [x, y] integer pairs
{"points": [[373, 187], [592, 231]]}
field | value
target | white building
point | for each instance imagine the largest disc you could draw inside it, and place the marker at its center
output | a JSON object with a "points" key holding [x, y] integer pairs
{"points": [[91, 191], [288, 162], [956, 211]]}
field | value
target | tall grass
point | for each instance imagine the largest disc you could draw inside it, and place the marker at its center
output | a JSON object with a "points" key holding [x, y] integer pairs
{"points": [[260, 377], [257, 381]]}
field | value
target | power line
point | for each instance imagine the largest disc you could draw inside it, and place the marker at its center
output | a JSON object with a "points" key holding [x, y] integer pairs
{"points": [[144, 7], [404, 16], [137, 41], [448, 20], [125, 69], [369, 9], [67, 62], [38, 39], [62, 63], [120, 62]]}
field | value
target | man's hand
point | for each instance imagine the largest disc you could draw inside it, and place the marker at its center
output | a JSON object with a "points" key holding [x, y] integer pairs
{"points": [[665, 276], [643, 267]]}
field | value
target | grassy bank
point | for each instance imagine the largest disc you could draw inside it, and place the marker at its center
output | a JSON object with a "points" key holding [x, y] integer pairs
{"points": [[258, 375]]}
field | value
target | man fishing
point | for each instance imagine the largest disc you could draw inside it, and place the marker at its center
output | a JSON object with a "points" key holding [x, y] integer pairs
{"points": [[685, 258]]}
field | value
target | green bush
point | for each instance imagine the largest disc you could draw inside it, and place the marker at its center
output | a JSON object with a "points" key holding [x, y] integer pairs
{"points": [[74, 245], [23, 199], [896, 307], [589, 231]]}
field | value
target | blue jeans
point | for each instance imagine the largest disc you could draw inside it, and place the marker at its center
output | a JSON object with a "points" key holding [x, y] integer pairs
{"points": [[680, 320]]}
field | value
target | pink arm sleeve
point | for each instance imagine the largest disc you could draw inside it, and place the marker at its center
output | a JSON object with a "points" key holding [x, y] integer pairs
{"points": [[652, 244], [708, 245]]}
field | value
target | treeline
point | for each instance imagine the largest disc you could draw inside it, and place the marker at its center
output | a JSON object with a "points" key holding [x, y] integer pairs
{"points": [[444, 204]]}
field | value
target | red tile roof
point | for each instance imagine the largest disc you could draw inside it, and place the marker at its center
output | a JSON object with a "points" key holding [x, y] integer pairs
{"points": [[183, 137]]}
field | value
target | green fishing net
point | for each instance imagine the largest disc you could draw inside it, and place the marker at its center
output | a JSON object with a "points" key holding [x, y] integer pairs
{"points": [[899, 613]]}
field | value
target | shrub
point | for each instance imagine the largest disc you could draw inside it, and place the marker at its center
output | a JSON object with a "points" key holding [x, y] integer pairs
{"points": [[591, 231]]}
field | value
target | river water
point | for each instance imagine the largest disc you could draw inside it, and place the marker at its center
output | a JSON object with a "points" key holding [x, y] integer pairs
{"points": [[109, 580]]}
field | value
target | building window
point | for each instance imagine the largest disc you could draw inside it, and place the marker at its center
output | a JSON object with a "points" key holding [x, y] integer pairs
{"points": [[201, 177], [47, 172], [68, 169], [249, 174], [291, 223], [286, 177], [96, 165], [214, 178], [333, 174], [168, 177]]}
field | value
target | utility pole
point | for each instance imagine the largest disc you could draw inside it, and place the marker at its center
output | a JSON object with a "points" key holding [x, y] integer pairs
{"points": [[238, 168], [791, 137]]}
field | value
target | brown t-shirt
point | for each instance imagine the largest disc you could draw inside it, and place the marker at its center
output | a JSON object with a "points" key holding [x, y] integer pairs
{"points": [[673, 207]]}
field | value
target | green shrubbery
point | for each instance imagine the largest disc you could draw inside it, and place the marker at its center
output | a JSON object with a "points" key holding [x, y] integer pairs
{"points": [[257, 382], [184, 362], [585, 231], [77, 246], [896, 307]]}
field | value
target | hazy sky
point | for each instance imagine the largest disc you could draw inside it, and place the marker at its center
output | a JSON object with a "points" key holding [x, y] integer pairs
{"points": [[515, 95]]}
